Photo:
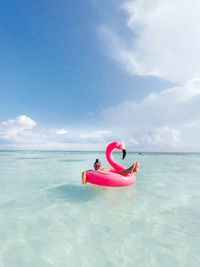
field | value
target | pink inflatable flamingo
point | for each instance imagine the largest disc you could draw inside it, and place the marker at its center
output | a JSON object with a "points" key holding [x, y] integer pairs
{"points": [[110, 177]]}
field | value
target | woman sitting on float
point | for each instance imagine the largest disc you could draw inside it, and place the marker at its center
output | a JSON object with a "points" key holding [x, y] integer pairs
{"points": [[130, 170], [118, 176]]}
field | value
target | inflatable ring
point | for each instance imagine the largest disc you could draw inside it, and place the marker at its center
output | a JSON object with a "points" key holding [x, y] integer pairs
{"points": [[110, 177]]}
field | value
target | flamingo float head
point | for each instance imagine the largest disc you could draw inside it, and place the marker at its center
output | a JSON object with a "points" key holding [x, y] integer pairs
{"points": [[120, 145], [115, 145]]}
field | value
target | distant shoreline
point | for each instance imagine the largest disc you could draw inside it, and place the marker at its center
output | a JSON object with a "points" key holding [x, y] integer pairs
{"points": [[167, 153], [84, 151]]}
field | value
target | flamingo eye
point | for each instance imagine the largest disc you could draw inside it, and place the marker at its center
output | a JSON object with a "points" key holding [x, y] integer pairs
{"points": [[118, 144]]}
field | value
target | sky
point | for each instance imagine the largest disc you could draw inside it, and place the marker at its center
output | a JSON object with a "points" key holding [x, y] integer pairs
{"points": [[76, 75]]}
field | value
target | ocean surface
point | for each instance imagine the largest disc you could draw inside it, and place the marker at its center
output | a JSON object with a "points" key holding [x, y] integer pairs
{"points": [[48, 218]]}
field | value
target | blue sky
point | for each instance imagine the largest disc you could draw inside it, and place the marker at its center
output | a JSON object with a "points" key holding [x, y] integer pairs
{"points": [[78, 74]]}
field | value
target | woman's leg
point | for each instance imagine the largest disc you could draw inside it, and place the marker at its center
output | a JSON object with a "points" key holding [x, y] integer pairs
{"points": [[133, 168]]}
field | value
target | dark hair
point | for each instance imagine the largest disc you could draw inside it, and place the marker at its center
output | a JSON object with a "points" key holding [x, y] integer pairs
{"points": [[97, 161]]}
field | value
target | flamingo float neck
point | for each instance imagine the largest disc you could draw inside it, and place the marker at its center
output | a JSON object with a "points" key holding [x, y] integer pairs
{"points": [[112, 162]]}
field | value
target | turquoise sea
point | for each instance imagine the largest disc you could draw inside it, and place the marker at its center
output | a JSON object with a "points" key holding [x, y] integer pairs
{"points": [[48, 218]]}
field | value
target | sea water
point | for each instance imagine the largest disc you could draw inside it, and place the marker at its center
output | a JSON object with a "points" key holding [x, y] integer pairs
{"points": [[48, 218]]}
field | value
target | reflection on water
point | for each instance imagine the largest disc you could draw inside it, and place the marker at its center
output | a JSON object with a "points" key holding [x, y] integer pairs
{"points": [[85, 193], [73, 193]]}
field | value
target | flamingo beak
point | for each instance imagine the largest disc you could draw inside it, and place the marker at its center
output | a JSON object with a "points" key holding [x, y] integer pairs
{"points": [[124, 153]]}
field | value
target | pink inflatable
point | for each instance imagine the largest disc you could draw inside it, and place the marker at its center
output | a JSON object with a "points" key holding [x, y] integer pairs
{"points": [[110, 177]]}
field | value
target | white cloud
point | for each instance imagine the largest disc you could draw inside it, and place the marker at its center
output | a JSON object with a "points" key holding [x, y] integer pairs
{"points": [[21, 133], [163, 41], [159, 121], [99, 135], [133, 142], [163, 137], [76, 146], [16, 129], [192, 124], [61, 131]]}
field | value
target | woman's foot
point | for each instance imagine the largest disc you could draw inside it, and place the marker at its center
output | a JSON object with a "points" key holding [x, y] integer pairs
{"points": [[84, 178], [135, 167]]}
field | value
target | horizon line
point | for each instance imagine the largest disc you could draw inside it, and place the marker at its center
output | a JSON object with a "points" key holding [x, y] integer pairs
{"points": [[139, 152]]}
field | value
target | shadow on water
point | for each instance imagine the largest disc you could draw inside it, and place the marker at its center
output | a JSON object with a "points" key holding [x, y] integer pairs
{"points": [[74, 193], [78, 193]]}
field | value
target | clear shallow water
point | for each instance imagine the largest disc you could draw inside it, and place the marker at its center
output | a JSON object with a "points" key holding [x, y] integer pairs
{"points": [[48, 218]]}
